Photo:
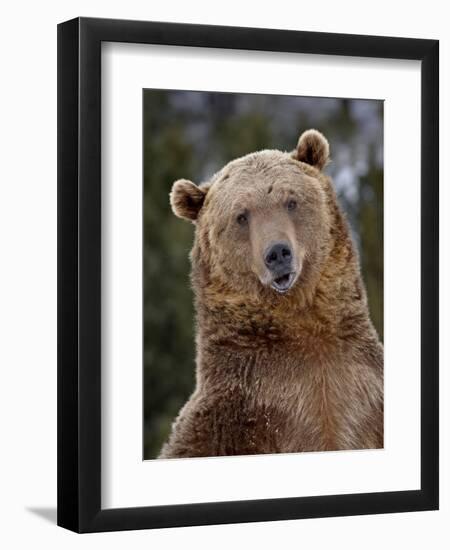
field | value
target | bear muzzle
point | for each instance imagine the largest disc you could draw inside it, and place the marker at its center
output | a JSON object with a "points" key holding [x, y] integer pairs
{"points": [[278, 259]]}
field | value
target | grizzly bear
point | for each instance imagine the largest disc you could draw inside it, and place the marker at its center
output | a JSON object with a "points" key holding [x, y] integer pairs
{"points": [[287, 357]]}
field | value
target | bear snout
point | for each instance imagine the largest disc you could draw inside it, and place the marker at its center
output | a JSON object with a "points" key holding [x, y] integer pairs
{"points": [[278, 257]]}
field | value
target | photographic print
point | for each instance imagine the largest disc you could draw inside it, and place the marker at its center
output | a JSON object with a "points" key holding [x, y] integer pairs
{"points": [[231, 284], [263, 274]]}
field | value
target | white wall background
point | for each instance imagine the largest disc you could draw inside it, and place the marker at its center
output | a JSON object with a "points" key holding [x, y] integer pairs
{"points": [[28, 272]]}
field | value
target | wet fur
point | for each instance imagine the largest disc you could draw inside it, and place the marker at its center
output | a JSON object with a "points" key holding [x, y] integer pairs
{"points": [[279, 373]]}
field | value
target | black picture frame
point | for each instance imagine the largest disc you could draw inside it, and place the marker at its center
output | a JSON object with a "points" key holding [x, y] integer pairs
{"points": [[79, 274]]}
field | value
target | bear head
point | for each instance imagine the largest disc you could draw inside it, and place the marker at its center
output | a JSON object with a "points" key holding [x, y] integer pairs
{"points": [[263, 222]]}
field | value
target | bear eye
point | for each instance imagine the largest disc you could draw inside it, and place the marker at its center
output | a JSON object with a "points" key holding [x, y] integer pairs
{"points": [[291, 205], [242, 218]]}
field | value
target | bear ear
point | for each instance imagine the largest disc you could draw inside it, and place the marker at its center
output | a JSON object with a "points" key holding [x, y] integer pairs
{"points": [[313, 149], [186, 199]]}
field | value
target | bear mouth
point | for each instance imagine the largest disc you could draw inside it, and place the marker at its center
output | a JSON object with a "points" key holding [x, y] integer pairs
{"points": [[283, 283]]}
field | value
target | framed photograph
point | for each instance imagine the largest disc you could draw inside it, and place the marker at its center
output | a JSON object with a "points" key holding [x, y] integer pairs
{"points": [[247, 275]]}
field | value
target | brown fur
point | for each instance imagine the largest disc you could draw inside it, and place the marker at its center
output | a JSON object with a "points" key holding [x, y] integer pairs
{"points": [[277, 373]]}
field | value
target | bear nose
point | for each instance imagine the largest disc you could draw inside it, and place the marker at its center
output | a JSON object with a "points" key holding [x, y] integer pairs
{"points": [[278, 256]]}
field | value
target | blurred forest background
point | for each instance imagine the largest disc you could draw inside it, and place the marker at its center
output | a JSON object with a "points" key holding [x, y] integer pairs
{"points": [[192, 135]]}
